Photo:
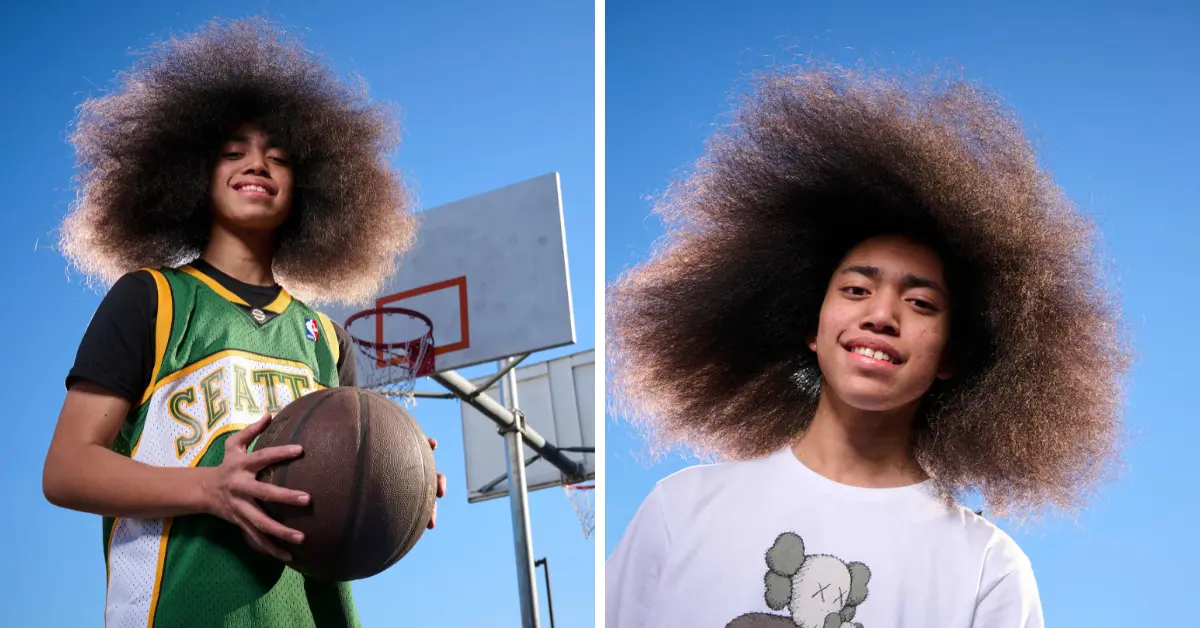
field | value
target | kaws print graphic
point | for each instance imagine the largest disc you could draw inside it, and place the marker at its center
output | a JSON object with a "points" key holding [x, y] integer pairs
{"points": [[818, 590]]}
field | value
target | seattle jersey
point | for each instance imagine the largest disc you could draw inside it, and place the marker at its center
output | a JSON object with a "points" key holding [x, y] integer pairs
{"points": [[219, 365]]}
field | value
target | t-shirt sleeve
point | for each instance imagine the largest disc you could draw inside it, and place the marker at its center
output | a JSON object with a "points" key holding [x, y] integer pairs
{"points": [[117, 349], [1008, 595], [347, 366], [632, 572]]}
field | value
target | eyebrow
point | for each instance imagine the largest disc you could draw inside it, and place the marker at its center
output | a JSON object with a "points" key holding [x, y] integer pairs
{"points": [[243, 139], [910, 280]]}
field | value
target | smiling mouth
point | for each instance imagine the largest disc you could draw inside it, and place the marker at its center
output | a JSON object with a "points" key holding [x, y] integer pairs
{"points": [[253, 189], [874, 354]]}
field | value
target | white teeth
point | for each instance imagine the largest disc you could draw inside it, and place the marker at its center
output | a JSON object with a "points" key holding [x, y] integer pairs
{"points": [[870, 353], [256, 188]]}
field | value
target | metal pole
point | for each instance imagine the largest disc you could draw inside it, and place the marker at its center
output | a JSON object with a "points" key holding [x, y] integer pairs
{"points": [[462, 388], [518, 496], [545, 563]]}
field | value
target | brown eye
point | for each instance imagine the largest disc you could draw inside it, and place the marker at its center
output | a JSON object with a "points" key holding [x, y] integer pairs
{"points": [[855, 291]]}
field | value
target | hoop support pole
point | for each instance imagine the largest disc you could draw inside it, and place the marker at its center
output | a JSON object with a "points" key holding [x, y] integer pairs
{"points": [[504, 419], [508, 365]]}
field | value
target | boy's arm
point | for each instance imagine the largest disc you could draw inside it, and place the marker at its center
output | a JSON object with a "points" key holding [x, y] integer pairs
{"points": [[112, 369], [632, 573], [82, 473], [1008, 594]]}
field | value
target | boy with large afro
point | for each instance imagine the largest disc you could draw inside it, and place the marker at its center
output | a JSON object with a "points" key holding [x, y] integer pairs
{"points": [[870, 300], [229, 171]]}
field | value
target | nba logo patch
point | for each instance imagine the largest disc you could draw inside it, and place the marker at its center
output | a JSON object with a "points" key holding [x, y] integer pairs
{"points": [[310, 329]]}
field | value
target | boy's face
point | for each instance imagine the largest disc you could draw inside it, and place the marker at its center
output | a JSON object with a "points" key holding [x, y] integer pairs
{"points": [[884, 325], [251, 185]]}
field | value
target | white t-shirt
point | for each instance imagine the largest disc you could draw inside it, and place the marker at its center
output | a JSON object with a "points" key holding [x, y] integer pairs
{"points": [[771, 544]]}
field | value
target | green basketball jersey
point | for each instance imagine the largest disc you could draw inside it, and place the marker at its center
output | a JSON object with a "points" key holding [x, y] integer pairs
{"points": [[217, 368]]}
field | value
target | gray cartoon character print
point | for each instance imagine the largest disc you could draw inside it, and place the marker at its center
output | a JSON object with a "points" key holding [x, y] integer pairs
{"points": [[818, 590]]}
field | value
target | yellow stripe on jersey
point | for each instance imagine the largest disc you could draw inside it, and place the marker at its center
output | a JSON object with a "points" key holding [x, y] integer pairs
{"points": [[212, 283], [277, 306], [331, 339], [158, 571], [280, 303], [162, 328]]}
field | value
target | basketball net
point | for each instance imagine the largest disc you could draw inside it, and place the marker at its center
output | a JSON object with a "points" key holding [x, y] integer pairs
{"points": [[387, 367], [580, 496]]}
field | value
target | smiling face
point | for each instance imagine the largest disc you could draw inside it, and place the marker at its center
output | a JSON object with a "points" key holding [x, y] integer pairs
{"points": [[884, 325], [251, 185]]}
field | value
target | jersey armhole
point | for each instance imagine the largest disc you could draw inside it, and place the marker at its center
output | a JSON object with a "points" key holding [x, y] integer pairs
{"points": [[162, 327]]}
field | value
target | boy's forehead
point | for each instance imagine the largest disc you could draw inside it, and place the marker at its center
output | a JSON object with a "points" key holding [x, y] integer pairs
{"points": [[252, 132], [894, 253]]}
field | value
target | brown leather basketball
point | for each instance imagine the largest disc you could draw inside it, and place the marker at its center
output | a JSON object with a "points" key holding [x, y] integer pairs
{"points": [[369, 470]]}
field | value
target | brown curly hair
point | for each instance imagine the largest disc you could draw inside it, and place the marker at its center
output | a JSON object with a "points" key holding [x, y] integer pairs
{"points": [[145, 153], [707, 339]]}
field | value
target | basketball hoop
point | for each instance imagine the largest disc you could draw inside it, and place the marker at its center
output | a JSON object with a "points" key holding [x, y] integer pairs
{"points": [[580, 496], [389, 367]]}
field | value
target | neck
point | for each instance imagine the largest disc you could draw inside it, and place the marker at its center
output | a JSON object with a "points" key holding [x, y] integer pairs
{"points": [[245, 255], [859, 447]]}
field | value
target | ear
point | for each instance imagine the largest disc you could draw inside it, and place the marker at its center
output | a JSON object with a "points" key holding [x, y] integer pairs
{"points": [[860, 575], [779, 591], [787, 554], [811, 340]]}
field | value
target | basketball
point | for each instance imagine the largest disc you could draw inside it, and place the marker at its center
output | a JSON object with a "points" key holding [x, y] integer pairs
{"points": [[369, 470]]}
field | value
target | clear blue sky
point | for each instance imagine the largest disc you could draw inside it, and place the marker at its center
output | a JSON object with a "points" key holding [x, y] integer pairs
{"points": [[491, 94], [1111, 96]]}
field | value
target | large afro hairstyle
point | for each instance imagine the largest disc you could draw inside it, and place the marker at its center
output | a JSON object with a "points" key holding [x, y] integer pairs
{"points": [[707, 338], [146, 150]]}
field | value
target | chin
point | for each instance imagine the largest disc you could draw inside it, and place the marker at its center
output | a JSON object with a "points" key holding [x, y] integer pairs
{"points": [[253, 218], [872, 397]]}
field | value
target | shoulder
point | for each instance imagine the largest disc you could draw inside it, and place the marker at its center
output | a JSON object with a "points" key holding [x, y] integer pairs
{"points": [[682, 491], [1002, 553], [1003, 564], [1008, 591], [138, 282], [133, 292]]}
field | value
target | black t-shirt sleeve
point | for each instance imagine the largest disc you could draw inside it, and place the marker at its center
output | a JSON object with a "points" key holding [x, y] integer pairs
{"points": [[117, 350], [347, 365]]}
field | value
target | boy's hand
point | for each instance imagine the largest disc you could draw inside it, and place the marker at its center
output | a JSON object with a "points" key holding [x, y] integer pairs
{"points": [[233, 487], [441, 489]]}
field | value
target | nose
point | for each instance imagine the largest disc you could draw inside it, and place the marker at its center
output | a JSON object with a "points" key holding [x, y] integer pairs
{"points": [[256, 162], [881, 317]]}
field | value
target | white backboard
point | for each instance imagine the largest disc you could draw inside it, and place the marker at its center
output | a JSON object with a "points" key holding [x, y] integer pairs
{"points": [[491, 273], [557, 398]]}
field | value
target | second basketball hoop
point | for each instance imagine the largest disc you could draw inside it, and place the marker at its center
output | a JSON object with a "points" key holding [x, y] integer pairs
{"points": [[395, 348]]}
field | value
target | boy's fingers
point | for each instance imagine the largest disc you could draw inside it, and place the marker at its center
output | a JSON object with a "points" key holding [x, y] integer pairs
{"points": [[271, 493], [441, 485], [261, 522], [261, 543], [266, 546], [433, 443], [272, 455]]}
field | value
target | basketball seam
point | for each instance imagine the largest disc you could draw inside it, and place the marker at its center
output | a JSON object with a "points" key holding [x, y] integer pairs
{"points": [[350, 531], [281, 478]]}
